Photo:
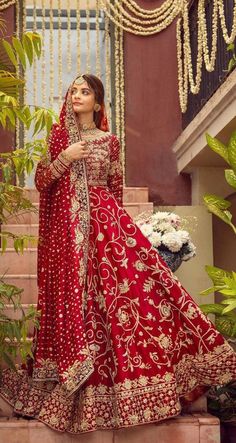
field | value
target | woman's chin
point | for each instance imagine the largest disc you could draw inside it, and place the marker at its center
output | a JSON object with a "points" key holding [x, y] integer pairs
{"points": [[77, 109]]}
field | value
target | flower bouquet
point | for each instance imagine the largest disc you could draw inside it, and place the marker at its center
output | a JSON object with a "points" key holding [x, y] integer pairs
{"points": [[163, 230]]}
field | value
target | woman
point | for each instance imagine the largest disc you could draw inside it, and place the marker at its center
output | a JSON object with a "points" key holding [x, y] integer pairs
{"points": [[120, 342]]}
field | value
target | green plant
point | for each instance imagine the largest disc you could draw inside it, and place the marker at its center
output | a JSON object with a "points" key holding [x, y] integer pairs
{"points": [[14, 328], [223, 281], [222, 399]]}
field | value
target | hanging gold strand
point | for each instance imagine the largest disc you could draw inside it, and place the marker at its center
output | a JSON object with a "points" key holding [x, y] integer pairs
{"points": [[59, 55], [117, 81], [88, 37], [68, 38], [51, 95], [35, 82], [107, 70], [98, 61], [122, 101], [43, 62], [78, 36]]}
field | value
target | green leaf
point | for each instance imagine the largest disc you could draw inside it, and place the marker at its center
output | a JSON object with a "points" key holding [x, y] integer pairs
{"points": [[231, 306], [217, 147], [226, 326], [220, 202], [8, 360], [10, 52], [28, 47], [230, 177], [212, 308], [217, 275], [37, 42], [4, 244], [231, 64], [217, 206], [232, 150], [19, 50], [230, 47]]}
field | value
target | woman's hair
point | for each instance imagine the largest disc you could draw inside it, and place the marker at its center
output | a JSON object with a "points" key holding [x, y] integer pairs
{"points": [[98, 89]]}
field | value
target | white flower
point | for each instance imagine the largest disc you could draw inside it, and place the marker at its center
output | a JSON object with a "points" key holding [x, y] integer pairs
{"points": [[155, 238], [172, 241], [184, 236], [146, 229], [163, 227]]}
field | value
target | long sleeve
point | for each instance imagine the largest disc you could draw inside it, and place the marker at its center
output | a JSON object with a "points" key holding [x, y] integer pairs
{"points": [[47, 172], [115, 175]]}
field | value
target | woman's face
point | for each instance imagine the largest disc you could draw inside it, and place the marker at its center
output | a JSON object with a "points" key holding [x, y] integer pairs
{"points": [[83, 98]]}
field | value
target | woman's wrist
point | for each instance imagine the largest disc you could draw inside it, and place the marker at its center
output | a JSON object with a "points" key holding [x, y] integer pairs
{"points": [[66, 156]]}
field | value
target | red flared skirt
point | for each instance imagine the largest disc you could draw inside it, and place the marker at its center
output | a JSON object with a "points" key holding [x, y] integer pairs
{"points": [[149, 342]]}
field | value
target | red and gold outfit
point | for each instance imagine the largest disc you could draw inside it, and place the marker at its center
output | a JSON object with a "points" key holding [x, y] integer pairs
{"points": [[120, 340]]}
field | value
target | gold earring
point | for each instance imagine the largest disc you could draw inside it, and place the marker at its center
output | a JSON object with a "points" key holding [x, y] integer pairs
{"points": [[97, 107]]}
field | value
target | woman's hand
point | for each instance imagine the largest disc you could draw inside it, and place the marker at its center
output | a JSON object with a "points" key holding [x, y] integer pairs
{"points": [[76, 151]]}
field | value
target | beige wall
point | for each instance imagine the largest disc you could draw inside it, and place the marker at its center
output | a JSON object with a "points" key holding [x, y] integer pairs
{"points": [[192, 274], [208, 180]]}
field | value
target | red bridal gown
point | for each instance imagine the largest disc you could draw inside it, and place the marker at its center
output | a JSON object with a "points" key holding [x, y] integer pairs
{"points": [[122, 346]]}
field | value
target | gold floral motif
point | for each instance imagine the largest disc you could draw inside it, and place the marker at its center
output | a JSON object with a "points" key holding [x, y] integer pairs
{"points": [[124, 287], [131, 242], [140, 266], [77, 374]]}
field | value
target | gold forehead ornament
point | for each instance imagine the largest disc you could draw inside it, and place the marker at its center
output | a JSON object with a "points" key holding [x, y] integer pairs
{"points": [[79, 80]]}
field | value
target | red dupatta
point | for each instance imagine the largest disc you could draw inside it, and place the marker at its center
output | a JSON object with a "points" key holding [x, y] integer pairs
{"points": [[62, 353]]}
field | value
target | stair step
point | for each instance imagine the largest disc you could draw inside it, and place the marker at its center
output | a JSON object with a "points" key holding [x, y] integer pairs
{"points": [[31, 218], [131, 194], [135, 209], [195, 428], [16, 314], [25, 217], [13, 263]]}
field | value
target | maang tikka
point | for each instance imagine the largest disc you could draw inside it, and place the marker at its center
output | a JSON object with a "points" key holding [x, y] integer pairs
{"points": [[79, 80]]}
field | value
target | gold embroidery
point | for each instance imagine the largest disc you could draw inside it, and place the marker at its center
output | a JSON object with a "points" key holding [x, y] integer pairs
{"points": [[75, 376]]}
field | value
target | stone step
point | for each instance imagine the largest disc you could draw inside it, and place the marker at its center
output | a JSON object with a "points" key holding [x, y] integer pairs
{"points": [[131, 194], [194, 428], [133, 209], [27, 282], [13, 263], [16, 314], [26, 217]]}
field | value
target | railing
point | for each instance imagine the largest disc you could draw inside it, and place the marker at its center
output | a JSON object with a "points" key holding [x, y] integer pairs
{"points": [[211, 81]]}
